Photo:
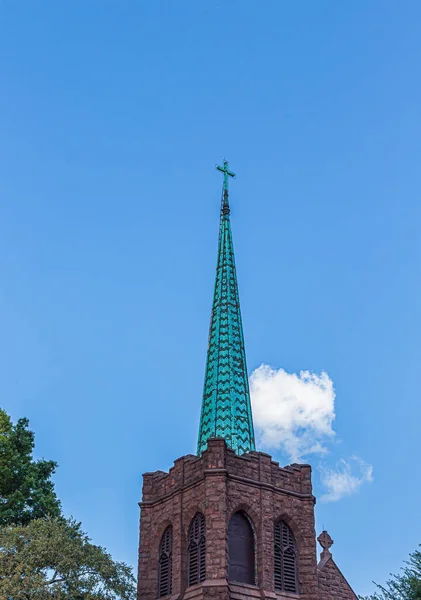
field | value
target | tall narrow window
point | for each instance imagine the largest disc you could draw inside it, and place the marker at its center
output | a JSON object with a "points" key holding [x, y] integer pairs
{"points": [[285, 559], [241, 565], [165, 563], [197, 550]]}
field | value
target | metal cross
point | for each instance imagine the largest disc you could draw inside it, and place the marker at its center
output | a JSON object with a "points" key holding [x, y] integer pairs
{"points": [[325, 540], [227, 173]]}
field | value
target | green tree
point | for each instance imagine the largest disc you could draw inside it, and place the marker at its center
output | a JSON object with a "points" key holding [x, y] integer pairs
{"points": [[26, 489], [53, 559], [44, 556], [404, 586]]}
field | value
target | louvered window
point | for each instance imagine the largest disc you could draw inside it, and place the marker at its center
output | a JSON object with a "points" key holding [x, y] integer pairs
{"points": [[241, 565], [165, 563], [285, 559], [197, 550]]}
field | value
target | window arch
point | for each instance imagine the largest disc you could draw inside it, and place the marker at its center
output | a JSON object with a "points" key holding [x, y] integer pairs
{"points": [[241, 552], [165, 563], [285, 566], [197, 550]]}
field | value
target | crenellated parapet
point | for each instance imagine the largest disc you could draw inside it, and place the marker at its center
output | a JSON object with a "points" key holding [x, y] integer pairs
{"points": [[254, 468]]}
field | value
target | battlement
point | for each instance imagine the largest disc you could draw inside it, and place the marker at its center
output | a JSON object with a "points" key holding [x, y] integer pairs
{"points": [[254, 468]]}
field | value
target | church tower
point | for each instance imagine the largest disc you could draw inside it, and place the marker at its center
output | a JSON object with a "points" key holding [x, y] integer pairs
{"points": [[229, 522]]}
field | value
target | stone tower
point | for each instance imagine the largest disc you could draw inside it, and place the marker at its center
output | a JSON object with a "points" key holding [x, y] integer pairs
{"points": [[229, 522]]}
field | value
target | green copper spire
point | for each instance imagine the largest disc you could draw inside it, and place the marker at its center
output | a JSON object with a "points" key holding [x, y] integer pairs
{"points": [[226, 409]]}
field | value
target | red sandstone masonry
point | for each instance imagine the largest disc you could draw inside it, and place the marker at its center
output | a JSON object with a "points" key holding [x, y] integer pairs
{"points": [[218, 484], [332, 584]]}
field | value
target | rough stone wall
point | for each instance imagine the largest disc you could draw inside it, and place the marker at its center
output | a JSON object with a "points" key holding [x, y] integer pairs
{"points": [[332, 584], [218, 484]]}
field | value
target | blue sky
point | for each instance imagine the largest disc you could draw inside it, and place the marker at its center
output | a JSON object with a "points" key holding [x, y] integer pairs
{"points": [[112, 117]]}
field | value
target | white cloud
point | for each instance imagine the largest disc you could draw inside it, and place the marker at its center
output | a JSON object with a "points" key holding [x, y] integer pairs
{"points": [[295, 414], [341, 482], [292, 412]]}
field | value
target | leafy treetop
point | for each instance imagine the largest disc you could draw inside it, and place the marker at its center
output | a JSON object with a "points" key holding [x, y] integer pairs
{"points": [[53, 559], [404, 586], [44, 556], [26, 489]]}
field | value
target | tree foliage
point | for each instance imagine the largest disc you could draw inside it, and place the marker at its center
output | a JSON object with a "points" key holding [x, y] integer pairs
{"points": [[44, 556], [53, 559], [406, 585], [26, 489]]}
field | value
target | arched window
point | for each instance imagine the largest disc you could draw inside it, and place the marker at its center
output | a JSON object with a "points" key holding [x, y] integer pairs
{"points": [[197, 550], [241, 565], [285, 559], [165, 563]]}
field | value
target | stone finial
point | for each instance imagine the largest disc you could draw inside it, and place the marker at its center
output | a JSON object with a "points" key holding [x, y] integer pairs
{"points": [[326, 542]]}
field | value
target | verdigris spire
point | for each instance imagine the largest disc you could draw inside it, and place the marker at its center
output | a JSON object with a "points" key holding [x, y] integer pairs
{"points": [[226, 408]]}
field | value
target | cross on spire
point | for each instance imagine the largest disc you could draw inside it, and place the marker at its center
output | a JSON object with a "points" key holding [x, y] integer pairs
{"points": [[227, 173], [225, 207]]}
